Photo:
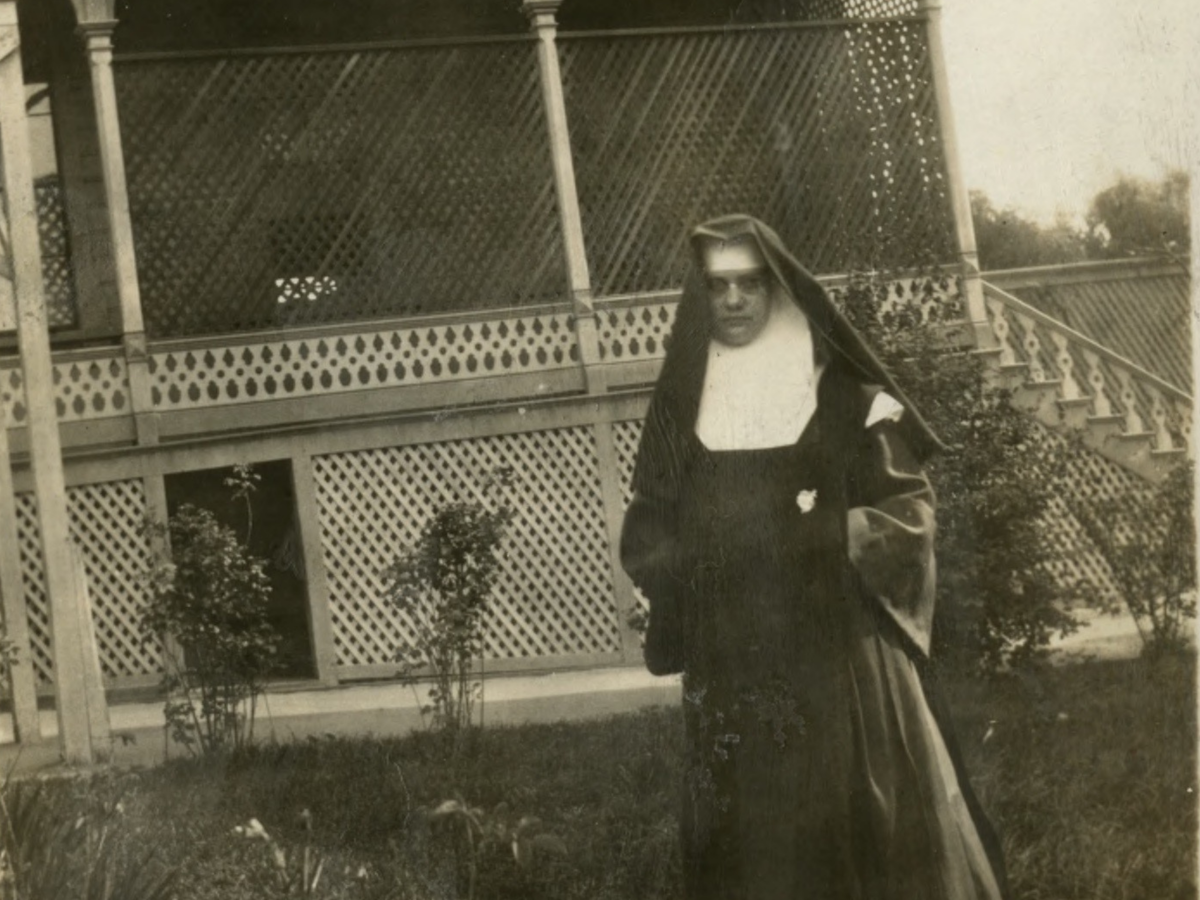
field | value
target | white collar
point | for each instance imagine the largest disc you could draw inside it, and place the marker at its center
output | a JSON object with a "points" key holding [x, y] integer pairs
{"points": [[762, 394]]}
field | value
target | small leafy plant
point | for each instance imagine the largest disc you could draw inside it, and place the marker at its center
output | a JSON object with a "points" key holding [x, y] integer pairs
{"points": [[479, 831], [296, 872], [443, 584], [210, 599], [1148, 540]]}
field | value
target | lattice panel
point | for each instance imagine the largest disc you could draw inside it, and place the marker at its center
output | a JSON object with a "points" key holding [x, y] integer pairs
{"points": [[37, 608], [87, 386], [828, 134], [555, 595], [106, 522], [880, 9], [1088, 479], [58, 281], [317, 187]]}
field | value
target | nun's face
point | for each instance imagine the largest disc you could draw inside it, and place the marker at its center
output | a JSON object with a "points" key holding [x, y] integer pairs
{"points": [[740, 289]]}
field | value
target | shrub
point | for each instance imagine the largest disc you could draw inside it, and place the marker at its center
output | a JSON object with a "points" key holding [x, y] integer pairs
{"points": [[998, 602], [443, 584], [1148, 540], [210, 598]]}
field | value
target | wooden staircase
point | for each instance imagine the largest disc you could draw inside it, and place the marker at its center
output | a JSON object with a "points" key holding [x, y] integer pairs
{"points": [[1072, 384]]}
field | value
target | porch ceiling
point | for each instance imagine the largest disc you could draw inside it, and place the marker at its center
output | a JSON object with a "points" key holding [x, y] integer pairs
{"points": [[170, 25]]}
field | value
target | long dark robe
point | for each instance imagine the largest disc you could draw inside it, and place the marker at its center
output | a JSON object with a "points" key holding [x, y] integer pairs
{"points": [[815, 768]]}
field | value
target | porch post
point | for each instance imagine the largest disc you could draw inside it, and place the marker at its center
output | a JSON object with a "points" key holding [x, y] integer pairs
{"points": [[614, 517], [960, 200], [541, 17], [21, 675], [96, 23], [316, 582], [70, 638]]}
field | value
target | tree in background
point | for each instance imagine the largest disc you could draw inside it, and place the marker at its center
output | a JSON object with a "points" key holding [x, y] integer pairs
{"points": [[1007, 240], [1135, 217]]}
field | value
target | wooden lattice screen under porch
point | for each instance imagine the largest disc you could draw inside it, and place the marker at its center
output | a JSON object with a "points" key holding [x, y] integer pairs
{"points": [[107, 526], [555, 597]]}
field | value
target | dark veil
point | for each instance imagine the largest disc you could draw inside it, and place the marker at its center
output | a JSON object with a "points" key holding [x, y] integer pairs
{"points": [[667, 436]]}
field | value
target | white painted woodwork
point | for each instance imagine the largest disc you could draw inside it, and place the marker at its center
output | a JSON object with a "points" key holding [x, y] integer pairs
{"points": [[71, 642], [541, 15]]}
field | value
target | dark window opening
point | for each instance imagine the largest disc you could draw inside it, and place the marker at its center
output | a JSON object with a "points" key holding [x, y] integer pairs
{"points": [[274, 537]]}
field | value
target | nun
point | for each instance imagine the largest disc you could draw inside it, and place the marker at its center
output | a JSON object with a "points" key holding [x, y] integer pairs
{"points": [[782, 530]]}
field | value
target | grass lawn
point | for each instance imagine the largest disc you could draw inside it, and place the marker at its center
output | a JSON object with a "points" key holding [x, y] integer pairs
{"points": [[1090, 773]]}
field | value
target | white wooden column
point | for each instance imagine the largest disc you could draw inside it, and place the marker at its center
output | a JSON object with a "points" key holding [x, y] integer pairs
{"points": [[960, 198], [71, 640], [614, 517], [12, 592], [96, 24], [316, 583], [541, 17]]}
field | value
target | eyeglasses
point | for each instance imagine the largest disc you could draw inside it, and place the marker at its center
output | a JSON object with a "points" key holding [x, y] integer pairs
{"points": [[752, 284]]}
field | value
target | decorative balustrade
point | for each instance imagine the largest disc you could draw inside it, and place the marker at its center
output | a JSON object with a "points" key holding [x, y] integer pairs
{"points": [[241, 369], [88, 384], [635, 328], [1076, 382], [194, 374]]}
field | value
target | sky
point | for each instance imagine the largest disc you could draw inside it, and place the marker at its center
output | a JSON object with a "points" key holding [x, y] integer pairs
{"points": [[1054, 99]]}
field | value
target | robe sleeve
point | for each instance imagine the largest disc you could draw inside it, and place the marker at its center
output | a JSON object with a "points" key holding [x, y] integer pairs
{"points": [[651, 554], [890, 529]]}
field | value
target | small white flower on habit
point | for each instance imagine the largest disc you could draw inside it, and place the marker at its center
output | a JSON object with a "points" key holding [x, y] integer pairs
{"points": [[806, 500]]}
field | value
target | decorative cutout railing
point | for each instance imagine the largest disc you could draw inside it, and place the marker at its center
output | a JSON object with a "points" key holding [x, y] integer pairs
{"points": [[1072, 381], [88, 384], [242, 370], [635, 328]]}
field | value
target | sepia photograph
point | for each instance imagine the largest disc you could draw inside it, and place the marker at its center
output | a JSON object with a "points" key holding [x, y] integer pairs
{"points": [[598, 450]]}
